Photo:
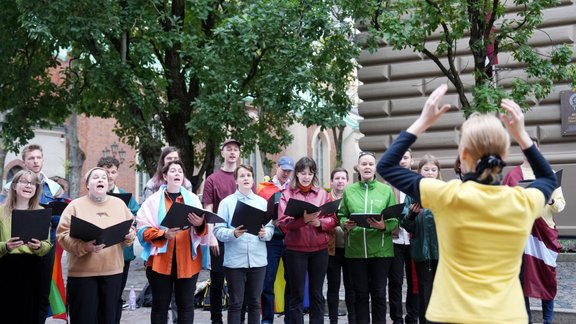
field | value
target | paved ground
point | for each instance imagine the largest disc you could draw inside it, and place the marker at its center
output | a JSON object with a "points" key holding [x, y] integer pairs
{"points": [[565, 300]]}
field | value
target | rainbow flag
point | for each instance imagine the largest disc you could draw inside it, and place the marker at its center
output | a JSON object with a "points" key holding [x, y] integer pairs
{"points": [[57, 290]]}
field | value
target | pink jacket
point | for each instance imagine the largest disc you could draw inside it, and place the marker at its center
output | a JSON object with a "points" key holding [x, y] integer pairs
{"points": [[300, 236]]}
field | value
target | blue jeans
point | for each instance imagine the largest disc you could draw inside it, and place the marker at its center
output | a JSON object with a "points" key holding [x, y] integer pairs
{"points": [[547, 311], [276, 251]]}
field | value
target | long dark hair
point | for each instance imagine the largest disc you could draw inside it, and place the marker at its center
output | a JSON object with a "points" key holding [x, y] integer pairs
{"points": [[158, 179], [300, 166]]}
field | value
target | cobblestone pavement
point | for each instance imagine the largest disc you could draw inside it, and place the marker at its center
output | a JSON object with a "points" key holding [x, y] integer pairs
{"points": [[565, 299]]}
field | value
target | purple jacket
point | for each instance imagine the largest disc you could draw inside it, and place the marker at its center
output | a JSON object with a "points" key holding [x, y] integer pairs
{"points": [[300, 236]]}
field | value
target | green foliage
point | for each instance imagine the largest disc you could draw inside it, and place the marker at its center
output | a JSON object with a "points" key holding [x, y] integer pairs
{"points": [[28, 98], [410, 24], [185, 68]]}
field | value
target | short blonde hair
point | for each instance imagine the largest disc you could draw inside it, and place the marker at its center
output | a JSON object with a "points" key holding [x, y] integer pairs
{"points": [[484, 135]]}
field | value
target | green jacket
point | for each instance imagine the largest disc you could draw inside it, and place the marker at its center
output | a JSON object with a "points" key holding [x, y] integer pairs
{"points": [[424, 240], [367, 197]]}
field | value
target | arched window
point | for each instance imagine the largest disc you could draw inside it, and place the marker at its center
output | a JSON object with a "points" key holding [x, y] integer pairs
{"points": [[321, 153]]}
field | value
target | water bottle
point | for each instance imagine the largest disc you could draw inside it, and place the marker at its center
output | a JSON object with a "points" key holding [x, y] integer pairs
{"points": [[132, 299]]}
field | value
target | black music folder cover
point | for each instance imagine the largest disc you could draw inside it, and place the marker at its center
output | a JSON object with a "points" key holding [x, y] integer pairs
{"points": [[28, 224]]}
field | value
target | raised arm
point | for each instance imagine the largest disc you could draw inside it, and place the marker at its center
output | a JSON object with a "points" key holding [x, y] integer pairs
{"points": [[514, 122], [388, 167]]}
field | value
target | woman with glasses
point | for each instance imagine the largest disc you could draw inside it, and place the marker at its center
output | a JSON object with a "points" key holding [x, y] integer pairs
{"points": [[19, 260], [368, 250], [306, 242]]}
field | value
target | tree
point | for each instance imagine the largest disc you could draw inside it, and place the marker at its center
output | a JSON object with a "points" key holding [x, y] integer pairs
{"points": [[28, 98], [177, 71], [491, 27]]}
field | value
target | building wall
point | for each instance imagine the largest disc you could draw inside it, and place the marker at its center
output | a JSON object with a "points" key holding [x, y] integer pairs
{"points": [[54, 147], [304, 144], [95, 134], [397, 83]]}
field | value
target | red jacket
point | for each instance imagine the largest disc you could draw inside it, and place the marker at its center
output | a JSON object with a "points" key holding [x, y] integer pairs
{"points": [[300, 236]]}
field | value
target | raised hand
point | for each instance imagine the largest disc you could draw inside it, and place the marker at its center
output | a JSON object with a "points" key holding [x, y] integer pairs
{"points": [[514, 122], [431, 111]]}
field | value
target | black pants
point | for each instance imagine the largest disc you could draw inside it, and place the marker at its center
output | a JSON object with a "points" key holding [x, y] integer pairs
{"points": [[300, 264], [216, 284], [21, 287], [336, 269], [162, 287], [369, 277], [244, 287], [425, 271], [401, 264], [93, 300], [122, 286], [46, 266]]}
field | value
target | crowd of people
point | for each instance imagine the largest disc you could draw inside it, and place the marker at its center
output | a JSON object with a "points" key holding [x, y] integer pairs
{"points": [[462, 262]]}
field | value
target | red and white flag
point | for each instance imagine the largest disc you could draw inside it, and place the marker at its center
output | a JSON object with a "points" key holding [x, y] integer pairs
{"points": [[540, 256]]}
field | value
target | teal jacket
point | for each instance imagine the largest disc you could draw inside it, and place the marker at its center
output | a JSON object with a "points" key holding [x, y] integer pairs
{"points": [[133, 206], [367, 197], [424, 240]]}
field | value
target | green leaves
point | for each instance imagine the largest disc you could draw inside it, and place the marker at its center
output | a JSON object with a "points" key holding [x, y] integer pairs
{"points": [[418, 24], [180, 71]]}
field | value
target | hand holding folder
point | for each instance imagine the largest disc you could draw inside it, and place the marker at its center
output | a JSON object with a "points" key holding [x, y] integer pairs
{"points": [[108, 236], [31, 224], [361, 219], [296, 208], [250, 217], [177, 216]]}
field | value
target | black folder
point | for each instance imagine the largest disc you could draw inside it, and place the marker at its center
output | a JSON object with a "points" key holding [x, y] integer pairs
{"points": [[296, 208], [526, 183], [177, 216], [394, 211], [272, 208], [29, 224], [108, 236], [125, 196], [251, 217], [57, 207]]}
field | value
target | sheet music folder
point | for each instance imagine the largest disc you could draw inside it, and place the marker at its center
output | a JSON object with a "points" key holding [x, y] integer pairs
{"points": [[296, 208], [394, 211], [526, 183], [125, 196], [251, 217], [57, 207], [29, 224], [108, 236], [177, 216]]}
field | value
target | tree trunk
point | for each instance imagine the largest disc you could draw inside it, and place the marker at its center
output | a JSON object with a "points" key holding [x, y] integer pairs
{"points": [[337, 133], [76, 157], [2, 161]]}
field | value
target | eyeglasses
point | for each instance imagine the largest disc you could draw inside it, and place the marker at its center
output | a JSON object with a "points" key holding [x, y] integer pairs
{"points": [[27, 183], [366, 153]]}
